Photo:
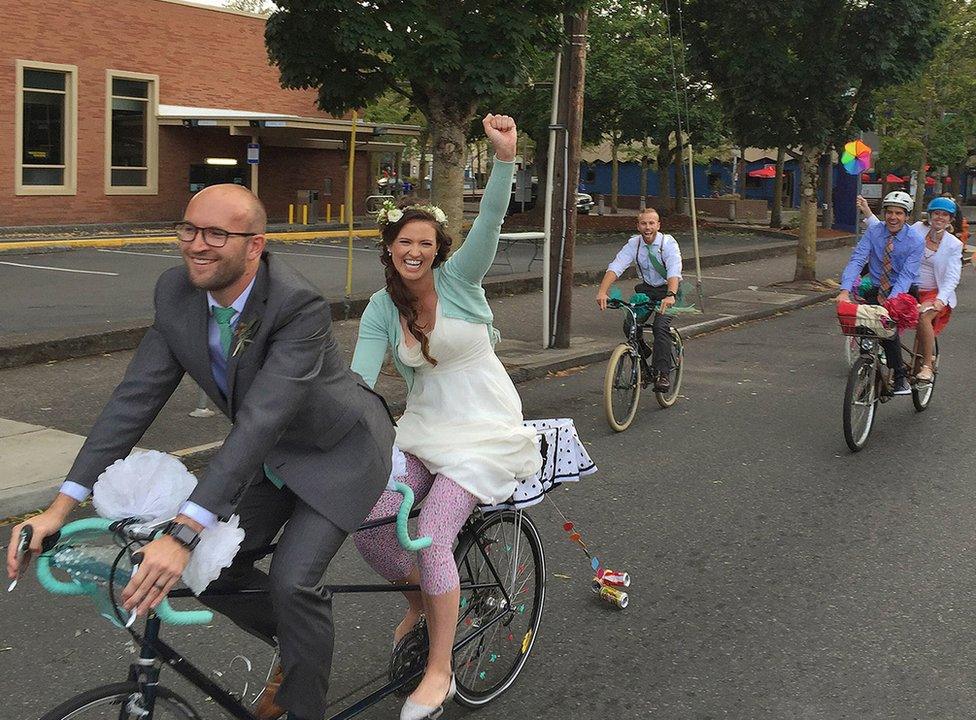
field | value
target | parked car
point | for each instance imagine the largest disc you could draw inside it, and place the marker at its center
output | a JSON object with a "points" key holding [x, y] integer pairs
{"points": [[584, 203]]}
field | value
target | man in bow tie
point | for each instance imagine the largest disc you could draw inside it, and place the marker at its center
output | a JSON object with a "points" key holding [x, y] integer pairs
{"points": [[309, 450]]}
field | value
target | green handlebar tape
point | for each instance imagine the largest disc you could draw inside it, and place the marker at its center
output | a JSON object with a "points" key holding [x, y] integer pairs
{"points": [[73, 587], [50, 583], [403, 533], [167, 614]]}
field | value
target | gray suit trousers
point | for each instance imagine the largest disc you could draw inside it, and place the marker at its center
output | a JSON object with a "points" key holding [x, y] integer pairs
{"points": [[293, 611]]}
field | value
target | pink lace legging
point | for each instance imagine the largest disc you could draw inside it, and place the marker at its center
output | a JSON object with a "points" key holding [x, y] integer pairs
{"points": [[446, 507]]}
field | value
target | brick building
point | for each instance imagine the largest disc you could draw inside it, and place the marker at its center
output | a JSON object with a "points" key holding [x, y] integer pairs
{"points": [[119, 111]]}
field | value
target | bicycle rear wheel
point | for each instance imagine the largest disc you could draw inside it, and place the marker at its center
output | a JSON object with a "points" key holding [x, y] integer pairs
{"points": [[922, 391], [622, 387], [667, 399], [500, 620], [118, 702], [860, 402]]}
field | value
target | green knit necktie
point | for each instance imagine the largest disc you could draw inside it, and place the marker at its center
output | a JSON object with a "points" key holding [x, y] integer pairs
{"points": [[223, 316]]}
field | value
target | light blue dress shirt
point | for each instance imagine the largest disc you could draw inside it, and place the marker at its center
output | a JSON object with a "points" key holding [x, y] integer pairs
{"points": [[218, 366], [906, 256]]}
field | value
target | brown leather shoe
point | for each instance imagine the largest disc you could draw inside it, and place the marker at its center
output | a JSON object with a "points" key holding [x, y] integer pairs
{"points": [[265, 707]]}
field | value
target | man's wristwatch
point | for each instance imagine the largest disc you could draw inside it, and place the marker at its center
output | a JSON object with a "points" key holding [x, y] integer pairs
{"points": [[671, 293], [183, 534]]}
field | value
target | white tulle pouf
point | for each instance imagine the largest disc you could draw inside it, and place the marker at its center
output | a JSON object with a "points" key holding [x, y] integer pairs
{"points": [[564, 459], [152, 486], [148, 485]]}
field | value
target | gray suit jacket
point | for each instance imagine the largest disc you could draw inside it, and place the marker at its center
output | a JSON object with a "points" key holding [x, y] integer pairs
{"points": [[294, 402]]}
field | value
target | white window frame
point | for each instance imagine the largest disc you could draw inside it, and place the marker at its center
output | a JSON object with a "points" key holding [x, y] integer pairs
{"points": [[152, 135], [70, 184]]}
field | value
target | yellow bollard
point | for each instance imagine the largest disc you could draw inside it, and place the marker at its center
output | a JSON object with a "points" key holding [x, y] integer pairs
{"points": [[342, 213], [304, 214], [328, 212], [291, 214]]}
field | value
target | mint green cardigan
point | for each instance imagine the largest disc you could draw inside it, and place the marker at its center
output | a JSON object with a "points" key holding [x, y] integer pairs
{"points": [[457, 283]]}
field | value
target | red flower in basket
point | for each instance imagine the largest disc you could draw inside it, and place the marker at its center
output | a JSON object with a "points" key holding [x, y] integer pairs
{"points": [[903, 309]]}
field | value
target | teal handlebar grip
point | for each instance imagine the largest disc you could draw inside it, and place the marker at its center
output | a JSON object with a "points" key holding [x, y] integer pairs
{"points": [[167, 614], [403, 532], [73, 587]]}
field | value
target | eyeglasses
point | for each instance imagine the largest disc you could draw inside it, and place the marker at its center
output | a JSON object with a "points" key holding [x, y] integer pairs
{"points": [[213, 236]]}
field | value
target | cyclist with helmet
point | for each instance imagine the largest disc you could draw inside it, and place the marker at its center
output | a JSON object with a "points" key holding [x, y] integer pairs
{"points": [[938, 275], [893, 251]]}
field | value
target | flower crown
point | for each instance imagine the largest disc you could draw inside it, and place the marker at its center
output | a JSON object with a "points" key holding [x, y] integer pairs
{"points": [[390, 213]]}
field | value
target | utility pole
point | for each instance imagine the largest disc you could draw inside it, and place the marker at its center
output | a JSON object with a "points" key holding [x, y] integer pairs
{"points": [[566, 151]]}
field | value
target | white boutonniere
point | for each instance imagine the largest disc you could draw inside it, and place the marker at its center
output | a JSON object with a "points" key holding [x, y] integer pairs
{"points": [[244, 335]]}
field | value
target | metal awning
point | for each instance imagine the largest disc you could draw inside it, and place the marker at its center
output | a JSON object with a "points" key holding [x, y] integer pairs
{"points": [[288, 130]]}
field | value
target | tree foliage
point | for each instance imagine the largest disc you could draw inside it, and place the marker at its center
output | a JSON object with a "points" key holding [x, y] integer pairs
{"points": [[806, 72], [443, 57]]}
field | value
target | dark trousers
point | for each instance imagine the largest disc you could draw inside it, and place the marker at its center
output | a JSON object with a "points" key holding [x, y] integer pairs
{"points": [[293, 611], [661, 329], [892, 345]]}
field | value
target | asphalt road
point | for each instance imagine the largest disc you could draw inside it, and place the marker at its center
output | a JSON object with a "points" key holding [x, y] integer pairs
{"points": [[775, 575], [71, 292]]}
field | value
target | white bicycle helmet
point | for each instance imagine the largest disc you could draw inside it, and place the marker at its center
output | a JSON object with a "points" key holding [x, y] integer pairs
{"points": [[899, 198]]}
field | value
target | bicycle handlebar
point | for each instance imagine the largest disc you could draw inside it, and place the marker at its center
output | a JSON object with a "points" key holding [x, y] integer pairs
{"points": [[54, 586], [164, 610]]}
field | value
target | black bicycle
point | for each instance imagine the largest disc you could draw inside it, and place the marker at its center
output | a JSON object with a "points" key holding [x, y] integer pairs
{"points": [[628, 371], [869, 382], [500, 562]]}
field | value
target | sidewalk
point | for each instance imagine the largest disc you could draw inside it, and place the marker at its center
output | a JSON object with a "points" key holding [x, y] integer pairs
{"points": [[50, 407]]}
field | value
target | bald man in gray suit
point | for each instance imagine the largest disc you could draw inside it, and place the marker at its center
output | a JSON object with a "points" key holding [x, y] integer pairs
{"points": [[309, 450]]}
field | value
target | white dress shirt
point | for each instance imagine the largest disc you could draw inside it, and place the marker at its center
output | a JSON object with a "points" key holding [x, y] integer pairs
{"points": [[665, 249]]}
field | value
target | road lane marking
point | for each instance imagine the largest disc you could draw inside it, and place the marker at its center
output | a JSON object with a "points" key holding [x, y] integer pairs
{"points": [[48, 267], [143, 254], [338, 247]]}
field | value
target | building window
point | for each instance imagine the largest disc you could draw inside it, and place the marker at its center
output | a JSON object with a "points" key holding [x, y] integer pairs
{"points": [[46, 129], [131, 135]]}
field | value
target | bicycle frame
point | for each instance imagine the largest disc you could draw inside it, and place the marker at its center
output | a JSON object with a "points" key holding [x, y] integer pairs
{"points": [[155, 653]]}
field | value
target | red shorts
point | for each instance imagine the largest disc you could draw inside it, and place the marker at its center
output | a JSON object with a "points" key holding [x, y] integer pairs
{"points": [[941, 318]]}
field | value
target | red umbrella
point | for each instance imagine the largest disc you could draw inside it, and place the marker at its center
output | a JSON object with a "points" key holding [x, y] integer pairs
{"points": [[894, 179], [766, 172], [930, 181], [865, 177]]}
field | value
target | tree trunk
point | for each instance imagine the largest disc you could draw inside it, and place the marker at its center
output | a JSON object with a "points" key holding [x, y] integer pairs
{"points": [[614, 172], [919, 187], [421, 189], [828, 216], [806, 247], [776, 212], [663, 180], [447, 134], [644, 164], [680, 183]]}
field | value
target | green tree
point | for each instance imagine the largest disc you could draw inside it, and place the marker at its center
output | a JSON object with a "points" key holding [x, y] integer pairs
{"points": [[443, 57], [259, 7], [931, 121], [805, 73], [639, 83]]}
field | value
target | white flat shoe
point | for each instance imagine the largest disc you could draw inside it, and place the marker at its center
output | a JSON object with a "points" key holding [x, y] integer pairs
{"points": [[416, 711]]}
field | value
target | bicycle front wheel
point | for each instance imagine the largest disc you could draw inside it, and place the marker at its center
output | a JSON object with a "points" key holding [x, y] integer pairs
{"points": [[503, 577], [622, 387], [667, 399], [122, 701], [860, 402]]}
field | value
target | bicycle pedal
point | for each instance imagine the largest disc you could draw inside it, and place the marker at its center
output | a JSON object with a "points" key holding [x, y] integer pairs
{"points": [[408, 658]]}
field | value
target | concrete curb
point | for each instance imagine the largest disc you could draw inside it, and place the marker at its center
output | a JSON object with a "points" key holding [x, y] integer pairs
{"points": [[26, 499], [31, 349]]}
